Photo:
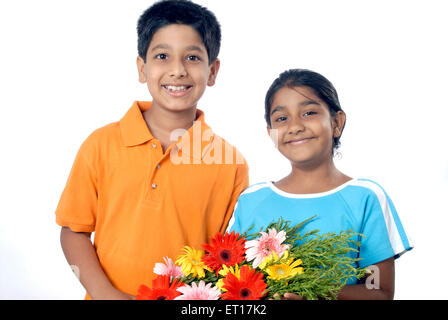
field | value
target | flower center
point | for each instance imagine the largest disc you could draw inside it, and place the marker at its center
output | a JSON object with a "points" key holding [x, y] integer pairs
{"points": [[245, 293], [281, 271], [268, 247], [225, 255]]}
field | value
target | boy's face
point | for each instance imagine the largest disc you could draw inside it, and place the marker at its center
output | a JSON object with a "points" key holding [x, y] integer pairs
{"points": [[303, 126], [177, 69]]}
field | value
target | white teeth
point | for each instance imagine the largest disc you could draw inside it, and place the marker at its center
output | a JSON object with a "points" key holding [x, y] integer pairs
{"points": [[176, 88]]}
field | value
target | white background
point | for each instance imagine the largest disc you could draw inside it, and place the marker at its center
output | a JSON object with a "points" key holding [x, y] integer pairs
{"points": [[68, 67]]}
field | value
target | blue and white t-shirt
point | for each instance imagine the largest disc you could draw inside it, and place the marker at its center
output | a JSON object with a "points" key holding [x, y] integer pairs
{"points": [[360, 204]]}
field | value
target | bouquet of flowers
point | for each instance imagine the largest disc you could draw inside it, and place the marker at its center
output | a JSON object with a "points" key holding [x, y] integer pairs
{"points": [[261, 265]]}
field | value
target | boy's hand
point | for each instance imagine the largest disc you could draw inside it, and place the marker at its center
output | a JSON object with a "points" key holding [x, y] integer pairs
{"points": [[114, 294], [80, 253], [118, 295]]}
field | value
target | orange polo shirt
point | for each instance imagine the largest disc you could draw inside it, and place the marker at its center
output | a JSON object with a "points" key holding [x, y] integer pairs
{"points": [[143, 203]]}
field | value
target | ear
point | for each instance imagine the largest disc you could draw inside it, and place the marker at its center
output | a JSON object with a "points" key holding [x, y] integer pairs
{"points": [[214, 68], [141, 70], [338, 124]]}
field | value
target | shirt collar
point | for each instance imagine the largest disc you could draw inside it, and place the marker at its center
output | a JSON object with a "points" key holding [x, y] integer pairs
{"points": [[134, 130]]}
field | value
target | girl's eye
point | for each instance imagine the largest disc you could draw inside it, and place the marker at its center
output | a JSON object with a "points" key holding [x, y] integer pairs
{"points": [[309, 113], [280, 119], [161, 56]]}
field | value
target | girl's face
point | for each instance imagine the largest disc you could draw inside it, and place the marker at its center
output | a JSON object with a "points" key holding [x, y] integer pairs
{"points": [[302, 126]]}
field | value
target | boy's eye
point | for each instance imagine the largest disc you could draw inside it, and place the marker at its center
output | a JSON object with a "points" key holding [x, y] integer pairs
{"points": [[161, 56], [193, 58]]}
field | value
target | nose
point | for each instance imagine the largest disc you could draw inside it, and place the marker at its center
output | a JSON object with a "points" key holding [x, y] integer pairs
{"points": [[295, 126], [177, 69]]}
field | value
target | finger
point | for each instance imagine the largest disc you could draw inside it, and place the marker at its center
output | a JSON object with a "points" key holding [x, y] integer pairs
{"points": [[292, 296], [277, 296]]}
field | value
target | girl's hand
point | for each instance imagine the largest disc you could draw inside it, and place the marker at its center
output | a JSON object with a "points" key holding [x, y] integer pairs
{"points": [[292, 296], [289, 296]]}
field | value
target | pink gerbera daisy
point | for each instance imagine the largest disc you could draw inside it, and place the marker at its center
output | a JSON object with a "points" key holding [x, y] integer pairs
{"points": [[265, 245], [168, 269], [198, 292]]}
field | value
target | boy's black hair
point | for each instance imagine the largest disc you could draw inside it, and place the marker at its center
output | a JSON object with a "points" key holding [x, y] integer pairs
{"points": [[322, 87], [166, 12]]}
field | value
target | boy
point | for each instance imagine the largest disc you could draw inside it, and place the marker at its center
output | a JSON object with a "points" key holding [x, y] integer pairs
{"points": [[151, 183]]}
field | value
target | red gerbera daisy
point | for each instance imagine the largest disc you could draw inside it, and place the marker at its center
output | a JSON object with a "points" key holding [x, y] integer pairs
{"points": [[227, 250], [161, 289], [249, 286]]}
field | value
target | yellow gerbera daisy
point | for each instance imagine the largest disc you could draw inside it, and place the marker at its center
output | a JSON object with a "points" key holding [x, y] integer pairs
{"points": [[273, 258], [284, 270], [224, 271], [191, 262]]}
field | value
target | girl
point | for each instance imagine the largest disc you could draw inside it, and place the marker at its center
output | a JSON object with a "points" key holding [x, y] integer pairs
{"points": [[306, 121]]}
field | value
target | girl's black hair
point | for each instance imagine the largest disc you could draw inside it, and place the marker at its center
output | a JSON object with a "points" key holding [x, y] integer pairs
{"points": [[322, 87], [166, 12]]}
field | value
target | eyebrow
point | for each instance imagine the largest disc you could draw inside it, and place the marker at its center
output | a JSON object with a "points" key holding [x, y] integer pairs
{"points": [[302, 104], [190, 48], [276, 109], [195, 48], [160, 46], [308, 102]]}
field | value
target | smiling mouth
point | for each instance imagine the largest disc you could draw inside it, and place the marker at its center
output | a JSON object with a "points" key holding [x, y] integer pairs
{"points": [[176, 88], [299, 141], [177, 91]]}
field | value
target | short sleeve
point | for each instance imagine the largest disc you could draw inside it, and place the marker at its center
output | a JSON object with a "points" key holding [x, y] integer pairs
{"points": [[248, 215], [234, 223], [384, 235], [77, 207]]}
